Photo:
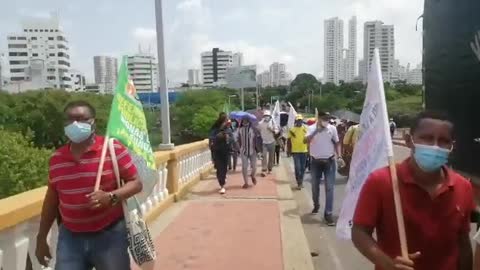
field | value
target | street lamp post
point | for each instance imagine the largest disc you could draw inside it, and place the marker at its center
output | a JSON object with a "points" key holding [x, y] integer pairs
{"points": [[162, 80]]}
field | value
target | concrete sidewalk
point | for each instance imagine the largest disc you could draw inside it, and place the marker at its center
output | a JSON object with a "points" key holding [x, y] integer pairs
{"points": [[257, 228]]}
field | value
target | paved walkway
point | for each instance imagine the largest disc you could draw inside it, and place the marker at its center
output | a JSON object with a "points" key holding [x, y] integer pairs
{"points": [[256, 228]]}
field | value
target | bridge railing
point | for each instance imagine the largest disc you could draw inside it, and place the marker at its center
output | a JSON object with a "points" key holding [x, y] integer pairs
{"points": [[178, 169]]}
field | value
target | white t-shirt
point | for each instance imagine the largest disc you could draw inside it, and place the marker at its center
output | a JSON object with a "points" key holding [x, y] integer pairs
{"points": [[266, 131], [322, 145]]}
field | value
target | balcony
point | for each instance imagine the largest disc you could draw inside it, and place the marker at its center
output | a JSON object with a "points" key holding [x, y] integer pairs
{"points": [[179, 169]]}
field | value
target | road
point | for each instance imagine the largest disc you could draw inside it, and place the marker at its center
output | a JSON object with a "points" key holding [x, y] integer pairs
{"points": [[332, 253]]}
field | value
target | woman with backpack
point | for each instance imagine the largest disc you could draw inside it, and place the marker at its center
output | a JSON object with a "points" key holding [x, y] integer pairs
{"points": [[221, 140]]}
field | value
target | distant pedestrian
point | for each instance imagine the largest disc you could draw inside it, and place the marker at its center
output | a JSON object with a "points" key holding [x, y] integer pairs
{"points": [[233, 155], [221, 147], [222, 117], [436, 203], [268, 128], [248, 153], [349, 141], [393, 127], [324, 147], [299, 149]]}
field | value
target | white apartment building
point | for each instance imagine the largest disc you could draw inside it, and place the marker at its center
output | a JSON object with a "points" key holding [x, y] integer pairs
{"points": [[78, 80], [194, 77], [237, 60], [278, 73], [362, 70], [263, 79], [333, 48], [143, 69], [399, 72], [381, 36], [351, 57], [41, 43], [106, 72], [214, 66], [415, 76]]}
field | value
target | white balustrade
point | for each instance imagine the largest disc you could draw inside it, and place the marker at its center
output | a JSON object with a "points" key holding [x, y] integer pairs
{"points": [[18, 242], [192, 164], [159, 192]]}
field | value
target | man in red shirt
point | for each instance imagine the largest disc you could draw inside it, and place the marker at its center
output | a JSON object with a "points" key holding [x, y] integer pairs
{"points": [[92, 232], [436, 202]]}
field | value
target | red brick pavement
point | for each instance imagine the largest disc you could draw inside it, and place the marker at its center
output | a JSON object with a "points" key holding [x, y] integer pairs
{"points": [[215, 233]]}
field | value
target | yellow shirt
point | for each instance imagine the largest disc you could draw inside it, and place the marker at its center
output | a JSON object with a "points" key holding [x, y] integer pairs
{"points": [[351, 137], [297, 136]]}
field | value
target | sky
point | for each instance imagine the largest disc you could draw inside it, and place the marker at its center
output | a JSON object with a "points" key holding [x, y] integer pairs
{"points": [[265, 31]]}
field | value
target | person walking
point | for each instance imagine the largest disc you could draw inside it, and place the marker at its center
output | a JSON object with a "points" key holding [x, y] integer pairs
{"points": [[436, 204], [233, 158], [299, 150], [221, 147], [393, 127], [92, 231], [324, 146], [349, 141], [268, 129], [246, 141]]}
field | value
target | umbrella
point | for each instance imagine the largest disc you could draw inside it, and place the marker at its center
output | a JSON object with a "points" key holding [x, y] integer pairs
{"points": [[311, 121], [239, 115]]}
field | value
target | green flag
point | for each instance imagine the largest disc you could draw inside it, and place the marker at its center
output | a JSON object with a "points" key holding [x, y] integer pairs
{"points": [[127, 124]]}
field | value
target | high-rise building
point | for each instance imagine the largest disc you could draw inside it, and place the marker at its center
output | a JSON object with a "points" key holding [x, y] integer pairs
{"points": [[333, 47], [143, 71], [263, 79], [237, 60], [78, 80], [415, 76], [351, 57], [399, 72], [378, 35], [194, 77], [106, 69], [278, 72], [41, 43], [362, 70], [214, 66]]}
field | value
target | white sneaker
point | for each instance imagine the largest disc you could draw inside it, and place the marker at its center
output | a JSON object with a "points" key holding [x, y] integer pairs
{"points": [[222, 191]]}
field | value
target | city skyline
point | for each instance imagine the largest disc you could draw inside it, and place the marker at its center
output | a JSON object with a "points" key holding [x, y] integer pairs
{"points": [[204, 24]]}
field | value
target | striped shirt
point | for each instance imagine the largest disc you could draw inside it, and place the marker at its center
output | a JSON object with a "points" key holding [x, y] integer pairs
{"points": [[74, 180], [246, 138]]}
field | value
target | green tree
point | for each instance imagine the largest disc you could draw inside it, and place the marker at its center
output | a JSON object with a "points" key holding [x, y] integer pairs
{"points": [[23, 166]]}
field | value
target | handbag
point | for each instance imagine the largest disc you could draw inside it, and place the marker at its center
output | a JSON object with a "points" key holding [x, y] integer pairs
{"points": [[140, 243]]}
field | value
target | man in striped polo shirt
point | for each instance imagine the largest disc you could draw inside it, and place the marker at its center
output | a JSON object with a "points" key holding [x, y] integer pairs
{"points": [[248, 153], [92, 232]]}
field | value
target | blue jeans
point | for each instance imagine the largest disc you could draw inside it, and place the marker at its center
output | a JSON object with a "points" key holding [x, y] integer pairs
{"points": [[328, 170], [300, 161], [104, 250]]}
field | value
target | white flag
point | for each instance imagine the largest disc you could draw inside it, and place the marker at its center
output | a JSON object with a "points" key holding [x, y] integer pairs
{"points": [[291, 116], [276, 114], [371, 150]]}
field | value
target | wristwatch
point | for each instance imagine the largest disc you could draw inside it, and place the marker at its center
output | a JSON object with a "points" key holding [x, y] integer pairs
{"points": [[113, 198]]}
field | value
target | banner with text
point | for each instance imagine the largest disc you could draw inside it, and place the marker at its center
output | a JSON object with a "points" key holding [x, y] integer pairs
{"points": [[373, 148], [127, 124]]}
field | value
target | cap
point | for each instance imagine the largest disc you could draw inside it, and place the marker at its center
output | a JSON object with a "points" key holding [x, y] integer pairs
{"points": [[299, 117]]}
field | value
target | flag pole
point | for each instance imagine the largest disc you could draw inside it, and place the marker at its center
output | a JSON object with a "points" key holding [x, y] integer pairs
{"points": [[398, 208]]}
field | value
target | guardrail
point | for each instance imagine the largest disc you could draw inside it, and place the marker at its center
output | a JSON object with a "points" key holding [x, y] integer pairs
{"points": [[178, 169]]}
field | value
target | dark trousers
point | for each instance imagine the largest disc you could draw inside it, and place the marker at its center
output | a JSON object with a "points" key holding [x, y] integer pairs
{"points": [[277, 154], [221, 165]]}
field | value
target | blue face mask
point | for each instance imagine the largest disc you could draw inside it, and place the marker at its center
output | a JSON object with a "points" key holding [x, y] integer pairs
{"points": [[430, 158], [78, 132]]}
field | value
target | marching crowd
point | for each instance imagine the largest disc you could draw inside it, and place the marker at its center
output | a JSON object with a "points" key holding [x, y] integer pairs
{"points": [[437, 202]]}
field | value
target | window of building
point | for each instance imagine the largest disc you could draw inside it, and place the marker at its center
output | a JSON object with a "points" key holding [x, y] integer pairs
{"points": [[56, 30], [22, 38], [19, 62], [51, 47], [50, 69], [51, 55], [30, 30], [17, 46], [16, 79], [50, 38], [34, 38], [41, 30], [35, 54], [17, 70], [12, 38], [65, 63], [51, 78], [36, 30], [24, 30]]}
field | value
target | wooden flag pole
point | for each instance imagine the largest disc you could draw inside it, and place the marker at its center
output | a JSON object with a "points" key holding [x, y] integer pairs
{"points": [[398, 208], [100, 165]]}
